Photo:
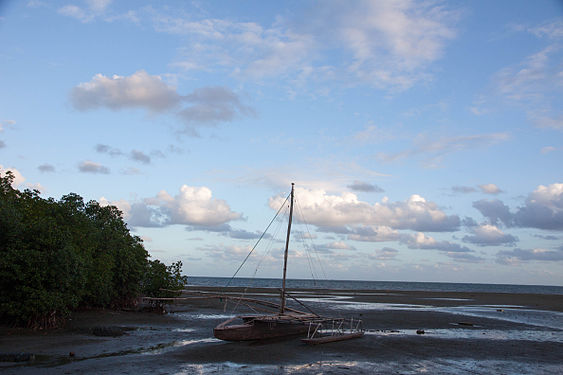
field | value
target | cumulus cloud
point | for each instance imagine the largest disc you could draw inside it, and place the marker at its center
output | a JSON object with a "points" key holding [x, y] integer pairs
{"points": [[140, 157], [18, 177], [140, 90], [494, 210], [192, 206], [326, 210], [88, 166], [517, 256], [105, 149], [46, 168], [204, 106], [365, 187], [489, 235], [543, 209]]}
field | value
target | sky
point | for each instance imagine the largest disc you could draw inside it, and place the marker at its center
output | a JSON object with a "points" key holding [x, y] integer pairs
{"points": [[424, 138]]}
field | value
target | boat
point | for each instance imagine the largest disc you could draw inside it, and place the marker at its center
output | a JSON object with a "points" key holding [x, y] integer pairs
{"points": [[286, 322]]}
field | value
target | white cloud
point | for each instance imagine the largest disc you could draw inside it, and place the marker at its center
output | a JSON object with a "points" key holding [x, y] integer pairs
{"points": [[322, 209], [489, 235], [140, 90], [490, 189], [93, 9], [386, 44], [193, 206], [547, 149], [204, 106], [18, 177], [88, 166], [424, 242], [374, 234], [536, 86]]}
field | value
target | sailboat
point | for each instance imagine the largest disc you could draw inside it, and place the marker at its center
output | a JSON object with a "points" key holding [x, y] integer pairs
{"points": [[286, 322]]}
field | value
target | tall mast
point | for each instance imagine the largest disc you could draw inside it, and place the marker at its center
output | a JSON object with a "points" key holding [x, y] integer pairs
{"points": [[286, 250]]}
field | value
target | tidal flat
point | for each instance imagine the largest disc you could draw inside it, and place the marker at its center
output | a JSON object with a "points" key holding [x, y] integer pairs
{"points": [[464, 333]]}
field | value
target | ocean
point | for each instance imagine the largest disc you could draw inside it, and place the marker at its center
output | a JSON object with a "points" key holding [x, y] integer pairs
{"points": [[374, 285]]}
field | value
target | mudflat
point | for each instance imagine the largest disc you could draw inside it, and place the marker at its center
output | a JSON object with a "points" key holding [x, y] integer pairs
{"points": [[463, 333]]}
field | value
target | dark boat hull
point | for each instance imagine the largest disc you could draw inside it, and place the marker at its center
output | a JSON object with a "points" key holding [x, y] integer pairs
{"points": [[252, 330]]}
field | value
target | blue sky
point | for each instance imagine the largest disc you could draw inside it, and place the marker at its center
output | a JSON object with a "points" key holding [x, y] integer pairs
{"points": [[425, 138]]}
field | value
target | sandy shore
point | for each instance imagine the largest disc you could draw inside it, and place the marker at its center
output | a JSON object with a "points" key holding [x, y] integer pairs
{"points": [[464, 333]]}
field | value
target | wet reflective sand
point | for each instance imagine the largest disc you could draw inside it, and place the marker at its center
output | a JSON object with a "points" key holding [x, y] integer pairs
{"points": [[464, 333]]}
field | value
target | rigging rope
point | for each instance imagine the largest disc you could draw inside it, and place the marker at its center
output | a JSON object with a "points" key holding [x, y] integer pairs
{"points": [[257, 242]]}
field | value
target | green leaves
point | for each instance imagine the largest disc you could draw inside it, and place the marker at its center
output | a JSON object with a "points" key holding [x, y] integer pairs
{"points": [[58, 255]]}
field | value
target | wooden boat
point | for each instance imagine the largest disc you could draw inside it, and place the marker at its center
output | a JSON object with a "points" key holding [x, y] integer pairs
{"points": [[287, 322]]}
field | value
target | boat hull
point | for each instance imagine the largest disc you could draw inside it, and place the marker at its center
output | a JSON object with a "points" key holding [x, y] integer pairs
{"points": [[252, 330]]}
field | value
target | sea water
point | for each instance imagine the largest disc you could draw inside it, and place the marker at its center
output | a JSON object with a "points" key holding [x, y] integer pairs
{"points": [[374, 285]]}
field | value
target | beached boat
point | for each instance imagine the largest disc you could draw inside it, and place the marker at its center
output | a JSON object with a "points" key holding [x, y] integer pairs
{"points": [[287, 322]]}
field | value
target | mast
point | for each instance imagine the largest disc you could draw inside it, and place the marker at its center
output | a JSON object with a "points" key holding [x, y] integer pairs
{"points": [[282, 309]]}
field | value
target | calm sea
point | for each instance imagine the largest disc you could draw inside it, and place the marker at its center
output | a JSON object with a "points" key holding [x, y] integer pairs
{"points": [[374, 285]]}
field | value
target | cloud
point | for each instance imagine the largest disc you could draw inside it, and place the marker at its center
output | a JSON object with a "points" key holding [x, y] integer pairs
{"points": [[46, 168], [489, 235], [93, 9], [6, 123], [385, 44], [494, 210], [88, 166], [204, 106], [424, 242], [105, 149], [140, 157], [463, 189], [18, 177], [543, 209], [386, 253], [490, 189], [548, 149], [211, 105], [2, 144], [517, 256], [325, 210], [433, 150], [192, 206], [140, 90], [465, 257], [373, 234], [365, 187], [536, 83]]}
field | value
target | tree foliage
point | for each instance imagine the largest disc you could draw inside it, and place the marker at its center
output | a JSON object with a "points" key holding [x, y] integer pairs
{"points": [[56, 256]]}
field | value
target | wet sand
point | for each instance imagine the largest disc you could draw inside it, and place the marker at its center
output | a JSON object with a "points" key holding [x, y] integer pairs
{"points": [[463, 333]]}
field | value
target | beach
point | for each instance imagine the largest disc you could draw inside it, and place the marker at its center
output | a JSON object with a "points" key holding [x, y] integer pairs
{"points": [[458, 332]]}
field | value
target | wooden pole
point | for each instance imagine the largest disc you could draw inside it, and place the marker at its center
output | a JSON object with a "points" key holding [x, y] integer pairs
{"points": [[282, 309]]}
